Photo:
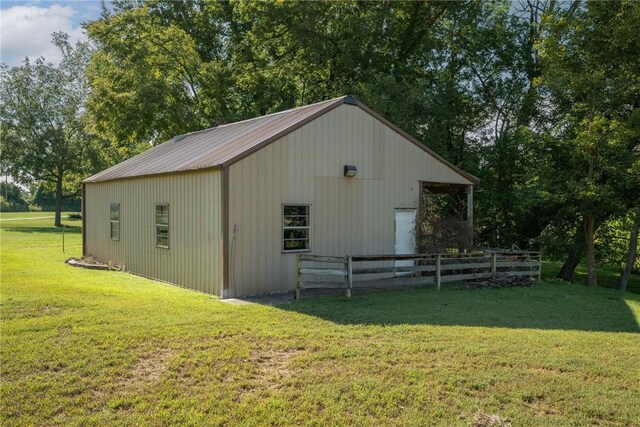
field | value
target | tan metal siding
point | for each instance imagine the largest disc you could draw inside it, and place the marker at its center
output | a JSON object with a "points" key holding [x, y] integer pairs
{"points": [[194, 257], [348, 215]]}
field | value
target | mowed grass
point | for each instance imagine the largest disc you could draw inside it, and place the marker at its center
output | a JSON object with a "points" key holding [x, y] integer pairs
{"points": [[85, 347], [608, 277]]}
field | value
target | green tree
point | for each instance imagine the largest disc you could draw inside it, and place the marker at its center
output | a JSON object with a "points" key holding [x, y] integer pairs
{"points": [[41, 112], [12, 198], [176, 67], [591, 81], [179, 66], [632, 253], [149, 82]]}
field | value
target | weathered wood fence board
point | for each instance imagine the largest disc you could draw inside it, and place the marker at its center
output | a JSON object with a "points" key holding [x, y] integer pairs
{"points": [[378, 270], [427, 269], [518, 264], [320, 258], [325, 271], [447, 267]]}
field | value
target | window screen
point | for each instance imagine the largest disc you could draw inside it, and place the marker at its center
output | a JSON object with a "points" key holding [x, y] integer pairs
{"points": [[114, 219], [296, 226], [162, 226]]}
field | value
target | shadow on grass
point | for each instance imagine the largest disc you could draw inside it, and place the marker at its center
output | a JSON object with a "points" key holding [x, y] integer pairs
{"points": [[551, 306], [69, 229]]}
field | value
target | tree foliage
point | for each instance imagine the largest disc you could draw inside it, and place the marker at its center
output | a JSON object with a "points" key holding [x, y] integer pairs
{"points": [[591, 83], [44, 136], [12, 198]]}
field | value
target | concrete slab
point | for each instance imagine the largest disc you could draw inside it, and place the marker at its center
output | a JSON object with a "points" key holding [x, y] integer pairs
{"points": [[236, 301], [269, 299], [282, 297]]}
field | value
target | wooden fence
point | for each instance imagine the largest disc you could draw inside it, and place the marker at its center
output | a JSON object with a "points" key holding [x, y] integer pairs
{"points": [[353, 271]]}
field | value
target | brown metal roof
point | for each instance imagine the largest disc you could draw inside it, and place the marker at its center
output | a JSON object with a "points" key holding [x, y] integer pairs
{"points": [[223, 145]]}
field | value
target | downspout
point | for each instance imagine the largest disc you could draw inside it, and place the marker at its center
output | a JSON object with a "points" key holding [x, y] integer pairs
{"points": [[225, 292], [470, 213], [83, 208]]}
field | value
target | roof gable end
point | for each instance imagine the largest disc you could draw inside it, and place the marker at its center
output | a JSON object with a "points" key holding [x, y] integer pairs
{"points": [[221, 146]]}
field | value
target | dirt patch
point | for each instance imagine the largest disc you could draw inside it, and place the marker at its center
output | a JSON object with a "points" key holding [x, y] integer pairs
{"points": [[274, 363], [543, 370], [272, 370], [64, 332], [480, 419], [18, 310], [149, 369]]}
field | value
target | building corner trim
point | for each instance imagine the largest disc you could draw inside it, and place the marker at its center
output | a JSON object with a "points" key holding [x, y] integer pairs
{"points": [[225, 290], [83, 210]]}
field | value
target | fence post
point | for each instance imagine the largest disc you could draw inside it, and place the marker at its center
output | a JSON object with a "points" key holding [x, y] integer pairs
{"points": [[349, 276], [438, 259], [540, 268], [296, 292], [494, 257]]}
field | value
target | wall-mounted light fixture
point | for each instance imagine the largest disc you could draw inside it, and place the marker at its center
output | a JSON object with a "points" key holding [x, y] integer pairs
{"points": [[350, 171]]}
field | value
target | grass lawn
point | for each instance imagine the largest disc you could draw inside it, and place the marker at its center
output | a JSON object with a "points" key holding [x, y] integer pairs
{"points": [[86, 347], [607, 276]]}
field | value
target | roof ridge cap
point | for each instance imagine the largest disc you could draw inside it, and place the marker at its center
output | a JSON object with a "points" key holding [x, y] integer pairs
{"points": [[346, 98], [283, 111]]}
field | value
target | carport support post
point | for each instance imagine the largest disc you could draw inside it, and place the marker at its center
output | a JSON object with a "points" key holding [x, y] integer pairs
{"points": [[438, 259], [296, 292], [539, 277], [470, 213], [349, 276], [494, 257]]}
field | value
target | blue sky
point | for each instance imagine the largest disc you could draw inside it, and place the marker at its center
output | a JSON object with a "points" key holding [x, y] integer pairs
{"points": [[26, 26]]}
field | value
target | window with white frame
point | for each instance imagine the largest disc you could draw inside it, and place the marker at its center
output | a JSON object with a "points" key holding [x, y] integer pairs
{"points": [[114, 220], [162, 225], [296, 227]]}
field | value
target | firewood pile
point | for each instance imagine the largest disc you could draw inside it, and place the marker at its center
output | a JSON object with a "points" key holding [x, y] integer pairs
{"points": [[499, 281]]}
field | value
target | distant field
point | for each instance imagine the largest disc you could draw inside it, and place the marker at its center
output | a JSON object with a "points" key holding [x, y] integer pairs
{"points": [[86, 347], [14, 216]]}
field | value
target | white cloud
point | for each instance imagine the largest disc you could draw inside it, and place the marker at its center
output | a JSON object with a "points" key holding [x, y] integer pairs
{"points": [[26, 31]]}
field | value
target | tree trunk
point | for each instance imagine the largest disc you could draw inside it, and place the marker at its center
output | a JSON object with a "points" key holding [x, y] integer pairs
{"points": [[589, 229], [633, 250], [573, 258], [589, 237], [58, 219]]}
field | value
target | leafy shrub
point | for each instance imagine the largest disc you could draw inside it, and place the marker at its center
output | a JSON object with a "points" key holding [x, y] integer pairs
{"points": [[12, 198]]}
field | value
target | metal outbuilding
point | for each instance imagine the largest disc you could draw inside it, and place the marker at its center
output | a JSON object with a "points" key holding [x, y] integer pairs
{"points": [[225, 210]]}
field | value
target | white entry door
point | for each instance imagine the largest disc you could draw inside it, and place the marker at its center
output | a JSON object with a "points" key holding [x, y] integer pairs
{"points": [[405, 237]]}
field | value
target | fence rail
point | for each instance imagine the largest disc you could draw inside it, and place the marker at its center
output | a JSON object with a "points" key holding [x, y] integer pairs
{"points": [[331, 272]]}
